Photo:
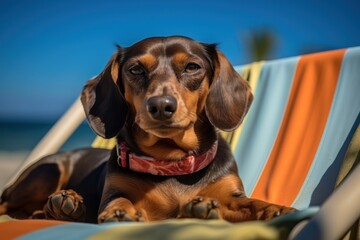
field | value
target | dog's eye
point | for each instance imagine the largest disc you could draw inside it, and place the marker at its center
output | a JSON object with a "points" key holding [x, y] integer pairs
{"points": [[137, 70], [192, 68]]}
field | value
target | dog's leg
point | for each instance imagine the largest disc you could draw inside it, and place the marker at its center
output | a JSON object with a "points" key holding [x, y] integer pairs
{"points": [[30, 191], [225, 198], [122, 210], [244, 209]]}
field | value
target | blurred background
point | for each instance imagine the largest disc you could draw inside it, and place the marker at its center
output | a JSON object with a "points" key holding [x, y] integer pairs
{"points": [[49, 49]]}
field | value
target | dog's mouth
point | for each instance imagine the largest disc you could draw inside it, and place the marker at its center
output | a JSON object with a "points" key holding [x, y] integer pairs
{"points": [[167, 130], [173, 126], [174, 138]]}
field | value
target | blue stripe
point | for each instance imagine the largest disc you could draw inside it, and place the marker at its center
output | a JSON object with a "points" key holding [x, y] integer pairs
{"points": [[345, 108], [264, 119]]}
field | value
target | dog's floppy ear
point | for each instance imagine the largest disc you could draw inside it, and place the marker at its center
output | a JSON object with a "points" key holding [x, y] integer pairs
{"points": [[229, 96], [103, 101]]}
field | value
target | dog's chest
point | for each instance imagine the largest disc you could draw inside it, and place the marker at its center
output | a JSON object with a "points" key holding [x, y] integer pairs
{"points": [[165, 199]]}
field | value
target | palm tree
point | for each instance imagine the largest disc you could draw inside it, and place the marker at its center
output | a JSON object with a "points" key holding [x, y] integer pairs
{"points": [[260, 44]]}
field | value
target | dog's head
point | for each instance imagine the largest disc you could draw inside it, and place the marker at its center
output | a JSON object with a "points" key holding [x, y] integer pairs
{"points": [[165, 88]]}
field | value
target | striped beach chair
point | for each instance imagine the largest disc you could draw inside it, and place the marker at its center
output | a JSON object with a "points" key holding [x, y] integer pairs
{"points": [[299, 141], [305, 112]]}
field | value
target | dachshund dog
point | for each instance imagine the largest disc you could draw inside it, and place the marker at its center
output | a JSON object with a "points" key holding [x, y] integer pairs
{"points": [[164, 99]]}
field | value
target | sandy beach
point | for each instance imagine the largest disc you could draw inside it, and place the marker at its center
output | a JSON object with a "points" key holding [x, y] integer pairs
{"points": [[9, 164]]}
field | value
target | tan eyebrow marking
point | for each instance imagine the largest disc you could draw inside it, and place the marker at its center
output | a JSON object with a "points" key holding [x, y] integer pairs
{"points": [[148, 60]]}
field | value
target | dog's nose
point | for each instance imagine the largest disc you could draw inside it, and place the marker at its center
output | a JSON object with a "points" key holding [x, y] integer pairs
{"points": [[161, 107]]}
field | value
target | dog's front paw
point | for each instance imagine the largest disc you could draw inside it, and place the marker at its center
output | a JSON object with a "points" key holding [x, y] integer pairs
{"points": [[65, 205], [200, 207], [122, 210], [247, 209], [269, 211], [121, 215], [273, 211]]}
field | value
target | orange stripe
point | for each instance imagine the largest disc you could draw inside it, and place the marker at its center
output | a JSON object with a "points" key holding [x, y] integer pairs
{"points": [[17, 228], [302, 127]]}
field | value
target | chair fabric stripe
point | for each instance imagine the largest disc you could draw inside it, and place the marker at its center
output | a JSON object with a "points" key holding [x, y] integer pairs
{"points": [[251, 73], [264, 118], [69, 230], [23, 228], [100, 142], [344, 111], [302, 127]]}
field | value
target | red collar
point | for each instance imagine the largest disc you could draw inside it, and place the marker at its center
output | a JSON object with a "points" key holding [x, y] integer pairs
{"points": [[145, 164]]}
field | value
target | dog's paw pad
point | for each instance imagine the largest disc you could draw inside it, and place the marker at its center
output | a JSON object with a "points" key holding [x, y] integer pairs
{"points": [[65, 205], [200, 207]]}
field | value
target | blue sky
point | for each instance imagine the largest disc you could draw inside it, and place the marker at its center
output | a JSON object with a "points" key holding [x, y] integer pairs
{"points": [[48, 49]]}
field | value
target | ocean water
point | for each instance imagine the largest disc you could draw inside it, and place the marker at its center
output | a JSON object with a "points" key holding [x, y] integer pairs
{"points": [[24, 136], [18, 139]]}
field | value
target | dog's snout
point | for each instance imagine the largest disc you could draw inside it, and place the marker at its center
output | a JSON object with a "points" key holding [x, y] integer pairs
{"points": [[161, 107]]}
